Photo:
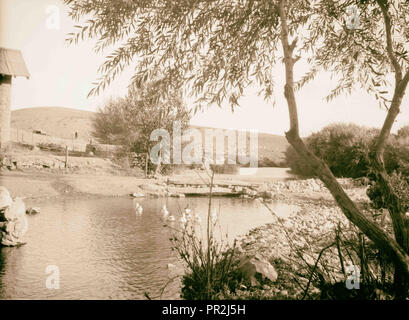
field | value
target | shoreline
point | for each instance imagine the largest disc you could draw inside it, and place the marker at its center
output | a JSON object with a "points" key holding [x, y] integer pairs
{"points": [[313, 213]]}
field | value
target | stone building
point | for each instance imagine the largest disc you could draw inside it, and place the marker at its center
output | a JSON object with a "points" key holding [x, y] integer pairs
{"points": [[11, 65]]}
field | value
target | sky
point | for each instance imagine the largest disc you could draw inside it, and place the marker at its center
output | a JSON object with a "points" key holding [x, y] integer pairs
{"points": [[62, 75]]}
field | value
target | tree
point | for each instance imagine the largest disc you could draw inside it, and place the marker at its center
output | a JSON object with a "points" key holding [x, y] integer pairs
{"points": [[214, 49], [129, 121], [403, 132]]}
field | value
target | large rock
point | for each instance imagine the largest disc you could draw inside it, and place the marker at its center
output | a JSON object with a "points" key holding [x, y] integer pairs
{"points": [[13, 220], [5, 199], [256, 270]]}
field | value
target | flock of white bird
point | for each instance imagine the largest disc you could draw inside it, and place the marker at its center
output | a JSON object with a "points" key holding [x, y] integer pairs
{"points": [[166, 216]]}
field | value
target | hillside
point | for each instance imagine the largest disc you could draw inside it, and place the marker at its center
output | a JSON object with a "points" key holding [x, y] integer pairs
{"points": [[55, 121], [64, 122]]}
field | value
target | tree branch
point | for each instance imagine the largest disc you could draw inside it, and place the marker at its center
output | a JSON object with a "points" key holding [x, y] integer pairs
{"points": [[289, 67], [319, 167], [389, 44]]}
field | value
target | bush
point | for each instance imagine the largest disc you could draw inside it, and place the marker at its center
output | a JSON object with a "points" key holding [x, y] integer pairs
{"points": [[345, 149], [342, 249], [225, 168], [51, 147], [400, 185], [211, 268]]}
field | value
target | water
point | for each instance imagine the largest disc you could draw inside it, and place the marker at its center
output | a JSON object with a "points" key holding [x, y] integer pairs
{"points": [[104, 251]]}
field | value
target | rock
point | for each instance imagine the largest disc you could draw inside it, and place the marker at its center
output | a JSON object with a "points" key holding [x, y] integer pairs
{"points": [[16, 210], [5, 199], [171, 266], [13, 220], [250, 192], [256, 269], [137, 195], [33, 210], [151, 187], [284, 293], [266, 195], [315, 186]]}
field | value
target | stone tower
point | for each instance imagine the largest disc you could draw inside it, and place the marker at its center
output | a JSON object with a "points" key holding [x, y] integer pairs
{"points": [[11, 65]]}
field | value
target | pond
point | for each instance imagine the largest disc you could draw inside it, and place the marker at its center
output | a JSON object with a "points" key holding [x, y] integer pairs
{"points": [[103, 250]]}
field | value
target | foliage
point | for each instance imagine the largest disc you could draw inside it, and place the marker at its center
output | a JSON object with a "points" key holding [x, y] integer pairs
{"points": [[212, 49], [346, 148], [215, 49], [403, 133], [211, 268], [343, 248], [400, 185], [225, 168], [53, 147], [130, 121]]}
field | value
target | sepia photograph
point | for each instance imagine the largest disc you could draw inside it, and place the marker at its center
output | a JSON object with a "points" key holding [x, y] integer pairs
{"points": [[229, 152]]}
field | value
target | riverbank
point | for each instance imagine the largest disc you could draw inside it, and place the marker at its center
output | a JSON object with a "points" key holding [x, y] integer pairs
{"points": [[309, 226], [294, 243], [278, 185]]}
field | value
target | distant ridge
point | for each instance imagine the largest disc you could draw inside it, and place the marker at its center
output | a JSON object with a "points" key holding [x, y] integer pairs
{"points": [[64, 122], [55, 121]]}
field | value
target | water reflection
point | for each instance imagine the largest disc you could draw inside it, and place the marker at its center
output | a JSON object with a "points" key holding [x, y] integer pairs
{"points": [[104, 251]]}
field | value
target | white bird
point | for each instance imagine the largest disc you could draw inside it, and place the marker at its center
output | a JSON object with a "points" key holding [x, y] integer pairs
{"points": [[138, 208], [214, 216], [183, 221], [188, 213], [164, 211], [197, 218]]}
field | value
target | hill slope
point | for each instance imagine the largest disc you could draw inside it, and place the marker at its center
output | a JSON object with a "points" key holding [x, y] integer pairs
{"points": [[64, 122], [55, 121]]}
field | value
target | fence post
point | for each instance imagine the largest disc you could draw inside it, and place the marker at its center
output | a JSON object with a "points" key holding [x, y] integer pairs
{"points": [[146, 164], [66, 157]]}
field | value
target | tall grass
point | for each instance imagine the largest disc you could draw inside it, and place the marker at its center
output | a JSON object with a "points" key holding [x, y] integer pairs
{"points": [[211, 270]]}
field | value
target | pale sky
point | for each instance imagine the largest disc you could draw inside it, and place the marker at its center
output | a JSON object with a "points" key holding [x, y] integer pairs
{"points": [[62, 75]]}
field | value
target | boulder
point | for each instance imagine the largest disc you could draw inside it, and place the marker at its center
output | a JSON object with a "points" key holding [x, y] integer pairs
{"points": [[137, 195], [151, 187], [266, 194], [33, 210], [250, 192], [16, 210], [256, 270], [13, 220], [5, 199]]}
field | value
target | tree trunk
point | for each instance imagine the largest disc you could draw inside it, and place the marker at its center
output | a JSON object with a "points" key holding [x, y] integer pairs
{"points": [[321, 170]]}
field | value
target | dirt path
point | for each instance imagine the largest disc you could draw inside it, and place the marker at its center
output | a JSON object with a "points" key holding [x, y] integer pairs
{"points": [[49, 185]]}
